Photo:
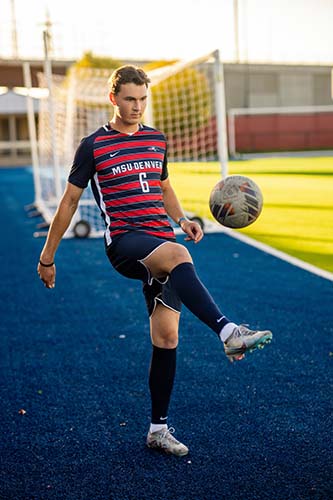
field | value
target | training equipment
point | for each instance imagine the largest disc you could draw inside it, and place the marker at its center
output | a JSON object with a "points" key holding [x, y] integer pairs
{"points": [[244, 340], [236, 201], [186, 103], [165, 441]]}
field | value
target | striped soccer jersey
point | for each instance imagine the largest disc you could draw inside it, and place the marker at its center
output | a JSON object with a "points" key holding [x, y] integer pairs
{"points": [[125, 172]]}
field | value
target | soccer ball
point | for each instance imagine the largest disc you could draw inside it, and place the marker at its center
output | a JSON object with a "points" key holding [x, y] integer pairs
{"points": [[236, 201]]}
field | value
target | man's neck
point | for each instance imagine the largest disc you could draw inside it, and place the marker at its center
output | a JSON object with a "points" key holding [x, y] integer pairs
{"points": [[123, 127]]}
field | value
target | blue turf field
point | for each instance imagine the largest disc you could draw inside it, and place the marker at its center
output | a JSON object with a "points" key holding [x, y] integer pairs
{"points": [[76, 359]]}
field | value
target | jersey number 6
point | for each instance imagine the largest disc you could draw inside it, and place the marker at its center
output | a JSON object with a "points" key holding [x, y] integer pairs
{"points": [[144, 184]]}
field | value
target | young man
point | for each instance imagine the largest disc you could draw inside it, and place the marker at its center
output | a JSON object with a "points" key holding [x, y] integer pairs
{"points": [[126, 163]]}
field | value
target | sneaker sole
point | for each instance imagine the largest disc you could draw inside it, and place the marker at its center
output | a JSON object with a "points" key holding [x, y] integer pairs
{"points": [[168, 452], [260, 344]]}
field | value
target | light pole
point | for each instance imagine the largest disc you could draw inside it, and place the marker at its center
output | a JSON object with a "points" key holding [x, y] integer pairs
{"points": [[14, 31], [236, 30]]}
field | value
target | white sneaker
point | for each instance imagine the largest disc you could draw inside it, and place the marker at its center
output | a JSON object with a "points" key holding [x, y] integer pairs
{"points": [[165, 441], [243, 340]]}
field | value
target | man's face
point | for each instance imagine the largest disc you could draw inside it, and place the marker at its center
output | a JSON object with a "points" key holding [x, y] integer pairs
{"points": [[130, 103]]}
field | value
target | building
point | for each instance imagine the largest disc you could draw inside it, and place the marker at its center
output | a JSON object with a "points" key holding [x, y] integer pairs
{"points": [[14, 131], [247, 86], [292, 107]]}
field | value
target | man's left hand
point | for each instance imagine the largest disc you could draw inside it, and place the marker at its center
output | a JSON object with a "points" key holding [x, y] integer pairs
{"points": [[193, 230]]}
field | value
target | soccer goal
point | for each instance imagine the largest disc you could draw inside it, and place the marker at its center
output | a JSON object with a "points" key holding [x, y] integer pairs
{"points": [[186, 102]]}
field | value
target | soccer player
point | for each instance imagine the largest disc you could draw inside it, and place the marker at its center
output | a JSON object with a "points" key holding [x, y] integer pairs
{"points": [[126, 164]]}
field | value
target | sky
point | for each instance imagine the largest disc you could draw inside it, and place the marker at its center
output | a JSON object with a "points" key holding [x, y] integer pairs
{"points": [[274, 31]]}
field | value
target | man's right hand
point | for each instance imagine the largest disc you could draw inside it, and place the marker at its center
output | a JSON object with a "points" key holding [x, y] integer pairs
{"points": [[59, 225], [47, 275]]}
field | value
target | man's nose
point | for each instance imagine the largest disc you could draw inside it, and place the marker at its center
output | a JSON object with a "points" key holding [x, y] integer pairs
{"points": [[137, 105]]}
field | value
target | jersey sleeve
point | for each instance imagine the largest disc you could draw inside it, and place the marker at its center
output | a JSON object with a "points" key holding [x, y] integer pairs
{"points": [[165, 172], [83, 168]]}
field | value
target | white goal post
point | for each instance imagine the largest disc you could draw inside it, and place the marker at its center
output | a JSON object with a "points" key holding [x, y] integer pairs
{"points": [[186, 102]]}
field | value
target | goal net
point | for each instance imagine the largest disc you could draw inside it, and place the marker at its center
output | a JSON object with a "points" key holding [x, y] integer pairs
{"points": [[186, 102]]}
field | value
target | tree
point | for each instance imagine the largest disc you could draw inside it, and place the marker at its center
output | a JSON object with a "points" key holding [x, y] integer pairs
{"points": [[182, 99], [89, 60]]}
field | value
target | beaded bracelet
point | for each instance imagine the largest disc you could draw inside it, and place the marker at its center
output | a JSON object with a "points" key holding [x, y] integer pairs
{"points": [[46, 265]]}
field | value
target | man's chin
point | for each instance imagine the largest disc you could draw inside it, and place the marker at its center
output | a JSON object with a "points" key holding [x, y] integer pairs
{"points": [[134, 120]]}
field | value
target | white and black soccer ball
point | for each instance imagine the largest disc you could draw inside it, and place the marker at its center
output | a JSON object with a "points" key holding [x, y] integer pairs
{"points": [[236, 201]]}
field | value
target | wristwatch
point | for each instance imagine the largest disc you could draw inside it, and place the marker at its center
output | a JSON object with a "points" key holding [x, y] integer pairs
{"points": [[180, 220]]}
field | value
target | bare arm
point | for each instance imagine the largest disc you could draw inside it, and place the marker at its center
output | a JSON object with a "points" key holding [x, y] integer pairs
{"points": [[175, 211], [60, 223]]}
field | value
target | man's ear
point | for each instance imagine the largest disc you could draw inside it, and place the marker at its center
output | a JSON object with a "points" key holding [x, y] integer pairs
{"points": [[112, 98]]}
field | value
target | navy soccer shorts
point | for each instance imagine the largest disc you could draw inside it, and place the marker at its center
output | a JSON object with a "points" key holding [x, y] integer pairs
{"points": [[126, 253]]}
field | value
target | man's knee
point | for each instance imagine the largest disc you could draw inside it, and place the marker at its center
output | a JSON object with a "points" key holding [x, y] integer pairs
{"points": [[181, 252], [166, 258], [166, 340], [178, 255], [164, 325], [165, 335]]}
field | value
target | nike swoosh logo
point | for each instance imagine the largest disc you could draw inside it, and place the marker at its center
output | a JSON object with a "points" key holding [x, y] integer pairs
{"points": [[220, 319], [114, 154], [163, 418]]}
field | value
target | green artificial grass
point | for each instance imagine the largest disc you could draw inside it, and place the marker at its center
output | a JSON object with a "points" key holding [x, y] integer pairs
{"points": [[297, 216]]}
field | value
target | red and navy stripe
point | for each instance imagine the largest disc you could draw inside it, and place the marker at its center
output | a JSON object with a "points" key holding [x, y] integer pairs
{"points": [[126, 173]]}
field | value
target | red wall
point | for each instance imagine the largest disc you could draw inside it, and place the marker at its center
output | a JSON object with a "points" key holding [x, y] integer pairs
{"points": [[258, 133]]}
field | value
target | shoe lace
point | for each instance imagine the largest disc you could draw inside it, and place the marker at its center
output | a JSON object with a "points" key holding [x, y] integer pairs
{"points": [[168, 433], [242, 330]]}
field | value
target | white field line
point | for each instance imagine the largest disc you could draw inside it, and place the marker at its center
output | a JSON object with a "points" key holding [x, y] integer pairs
{"points": [[211, 227]]}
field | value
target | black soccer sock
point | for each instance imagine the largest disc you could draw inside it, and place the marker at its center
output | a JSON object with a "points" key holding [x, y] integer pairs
{"points": [[195, 296], [161, 376]]}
